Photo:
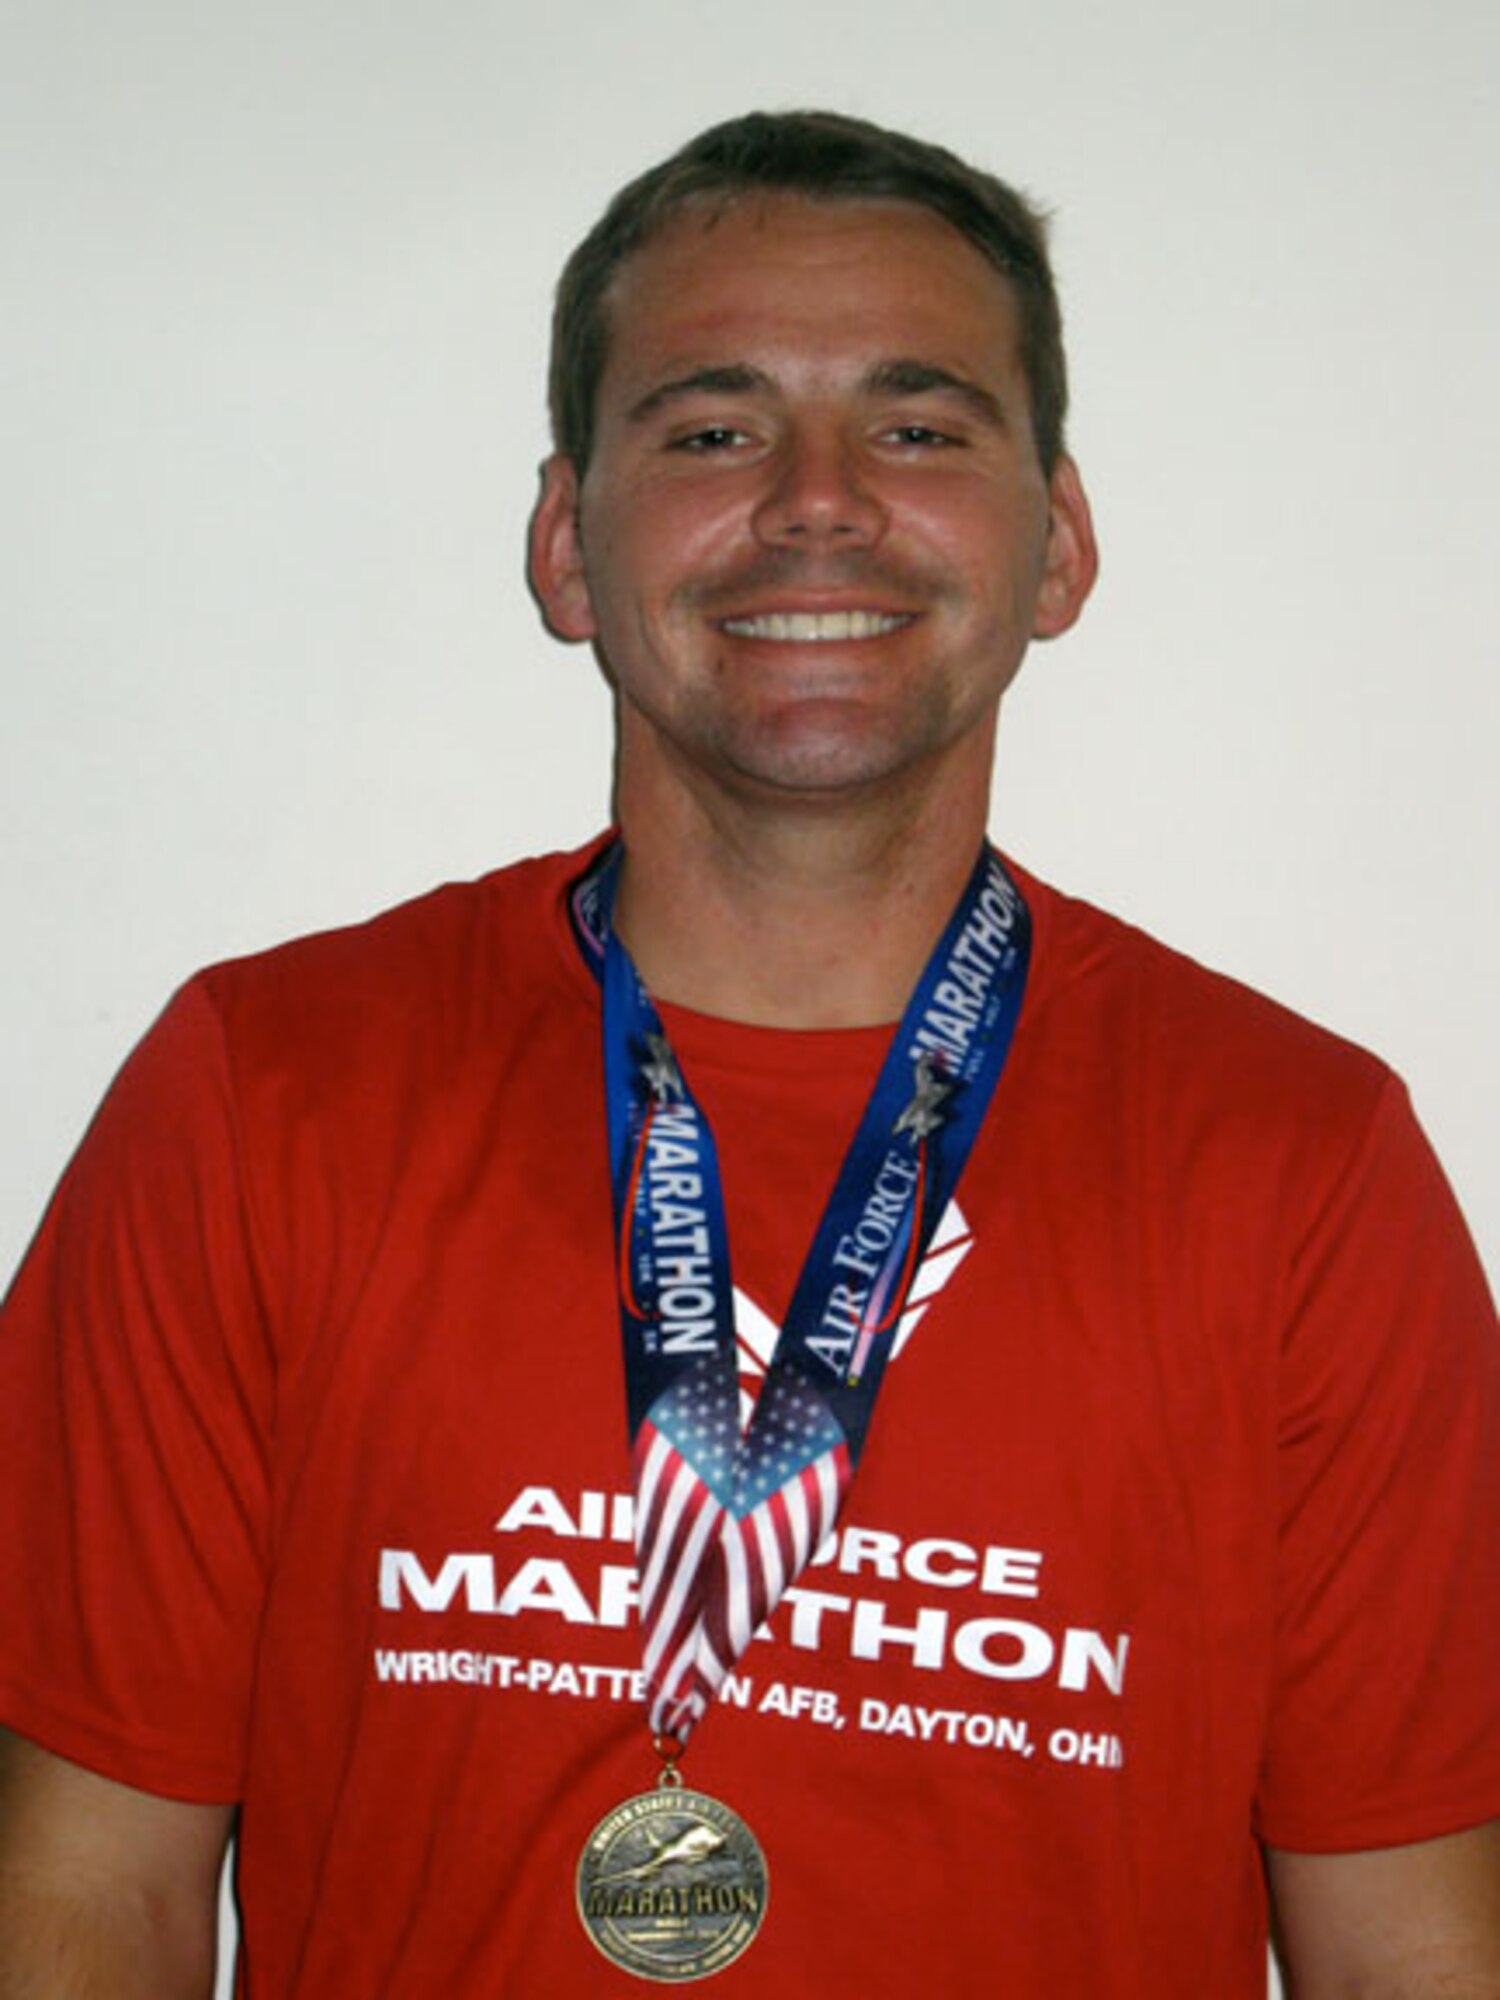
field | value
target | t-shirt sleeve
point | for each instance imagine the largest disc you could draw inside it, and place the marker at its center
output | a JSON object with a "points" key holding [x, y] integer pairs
{"points": [[1385, 1706], [136, 1394]]}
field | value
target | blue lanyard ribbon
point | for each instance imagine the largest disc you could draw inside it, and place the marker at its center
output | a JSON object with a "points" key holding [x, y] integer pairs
{"points": [[726, 1518]]}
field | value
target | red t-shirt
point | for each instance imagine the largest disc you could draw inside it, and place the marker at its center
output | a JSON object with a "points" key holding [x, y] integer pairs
{"points": [[1177, 1529]]}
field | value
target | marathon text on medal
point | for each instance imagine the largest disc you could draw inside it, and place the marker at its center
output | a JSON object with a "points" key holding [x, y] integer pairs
{"points": [[723, 1899]]}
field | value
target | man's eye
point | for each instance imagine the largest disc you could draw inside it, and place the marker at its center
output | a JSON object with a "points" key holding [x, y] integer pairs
{"points": [[712, 437], [919, 434]]}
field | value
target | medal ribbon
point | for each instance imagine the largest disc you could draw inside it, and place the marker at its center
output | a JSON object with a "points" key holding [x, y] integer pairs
{"points": [[725, 1519]]}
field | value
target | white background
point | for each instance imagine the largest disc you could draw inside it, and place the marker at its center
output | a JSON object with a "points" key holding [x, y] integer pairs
{"points": [[273, 304]]}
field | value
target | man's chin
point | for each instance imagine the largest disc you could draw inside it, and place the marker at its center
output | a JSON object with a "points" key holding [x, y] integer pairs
{"points": [[823, 761]]}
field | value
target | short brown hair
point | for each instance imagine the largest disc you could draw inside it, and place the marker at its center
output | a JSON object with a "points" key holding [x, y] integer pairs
{"points": [[824, 156]]}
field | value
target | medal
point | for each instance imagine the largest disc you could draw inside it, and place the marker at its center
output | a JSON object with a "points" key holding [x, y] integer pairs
{"points": [[671, 1884]]}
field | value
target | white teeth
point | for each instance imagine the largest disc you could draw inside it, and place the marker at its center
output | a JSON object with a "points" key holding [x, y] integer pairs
{"points": [[813, 626]]}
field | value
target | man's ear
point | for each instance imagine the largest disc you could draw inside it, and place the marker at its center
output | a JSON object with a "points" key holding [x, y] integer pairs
{"points": [[554, 554], [1072, 555]]}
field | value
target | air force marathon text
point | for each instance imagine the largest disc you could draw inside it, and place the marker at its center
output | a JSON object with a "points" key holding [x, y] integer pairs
{"points": [[973, 1625]]}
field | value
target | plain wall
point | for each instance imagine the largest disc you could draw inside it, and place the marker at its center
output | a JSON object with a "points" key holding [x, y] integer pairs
{"points": [[273, 307]]}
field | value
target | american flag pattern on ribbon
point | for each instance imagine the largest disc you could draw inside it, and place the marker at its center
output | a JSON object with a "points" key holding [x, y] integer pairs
{"points": [[725, 1524]]}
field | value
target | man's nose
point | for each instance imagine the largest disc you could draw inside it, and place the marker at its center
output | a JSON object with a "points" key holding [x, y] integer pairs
{"points": [[820, 493]]}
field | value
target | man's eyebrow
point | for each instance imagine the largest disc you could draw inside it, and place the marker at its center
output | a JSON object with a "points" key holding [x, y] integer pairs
{"points": [[900, 377], [732, 379], [916, 378]]}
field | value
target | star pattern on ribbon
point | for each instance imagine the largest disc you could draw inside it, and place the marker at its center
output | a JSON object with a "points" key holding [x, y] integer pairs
{"points": [[660, 1070], [930, 1092]]}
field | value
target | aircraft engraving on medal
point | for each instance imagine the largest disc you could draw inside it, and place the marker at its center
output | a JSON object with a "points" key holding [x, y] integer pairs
{"points": [[686, 1849]]}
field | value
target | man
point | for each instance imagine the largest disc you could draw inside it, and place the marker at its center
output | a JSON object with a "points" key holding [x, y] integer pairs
{"points": [[1123, 1491]]}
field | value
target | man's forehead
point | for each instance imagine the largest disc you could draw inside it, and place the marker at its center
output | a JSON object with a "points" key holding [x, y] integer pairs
{"points": [[810, 265]]}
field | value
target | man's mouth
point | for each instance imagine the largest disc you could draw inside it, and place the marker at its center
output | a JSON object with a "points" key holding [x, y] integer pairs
{"points": [[815, 627]]}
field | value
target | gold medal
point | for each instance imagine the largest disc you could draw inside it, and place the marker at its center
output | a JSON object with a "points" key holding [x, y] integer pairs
{"points": [[671, 1884]]}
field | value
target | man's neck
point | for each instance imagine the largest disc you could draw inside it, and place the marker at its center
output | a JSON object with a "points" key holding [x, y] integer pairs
{"points": [[817, 920]]}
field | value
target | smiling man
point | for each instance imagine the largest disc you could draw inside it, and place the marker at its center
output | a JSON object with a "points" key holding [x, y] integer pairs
{"points": [[1059, 1547], [812, 538]]}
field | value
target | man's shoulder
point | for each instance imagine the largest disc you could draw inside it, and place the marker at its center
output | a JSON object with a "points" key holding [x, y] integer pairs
{"points": [[1149, 1005], [512, 911], [437, 965]]}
